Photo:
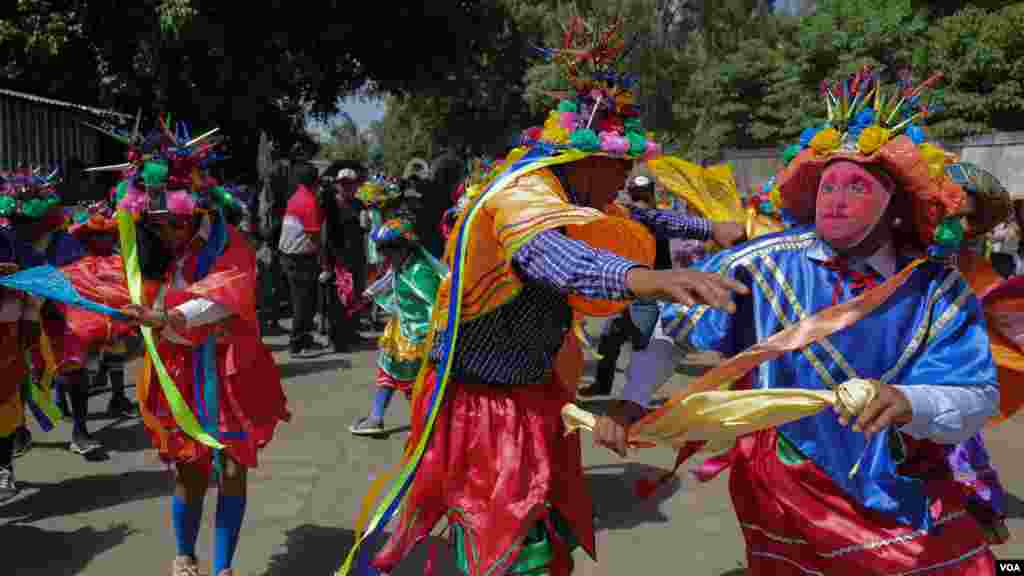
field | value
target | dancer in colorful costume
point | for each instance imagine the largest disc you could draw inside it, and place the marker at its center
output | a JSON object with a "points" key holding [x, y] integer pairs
{"points": [[531, 256], [19, 328], [824, 494], [96, 228], [193, 278], [62, 350], [407, 292]]}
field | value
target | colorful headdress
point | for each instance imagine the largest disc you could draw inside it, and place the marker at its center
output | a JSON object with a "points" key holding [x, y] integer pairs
{"points": [[393, 230], [598, 115], [378, 192], [166, 171], [871, 124], [28, 193]]}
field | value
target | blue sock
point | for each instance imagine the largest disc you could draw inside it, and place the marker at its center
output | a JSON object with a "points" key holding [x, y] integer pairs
{"points": [[381, 402], [186, 525], [230, 511]]}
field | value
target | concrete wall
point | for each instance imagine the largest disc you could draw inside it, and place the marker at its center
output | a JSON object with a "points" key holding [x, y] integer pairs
{"points": [[1001, 153]]}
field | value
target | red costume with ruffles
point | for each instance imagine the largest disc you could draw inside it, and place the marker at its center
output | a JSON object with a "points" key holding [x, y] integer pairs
{"points": [[253, 401]]}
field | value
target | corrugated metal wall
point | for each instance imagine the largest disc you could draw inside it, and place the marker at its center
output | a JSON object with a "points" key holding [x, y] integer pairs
{"points": [[37, 134]]}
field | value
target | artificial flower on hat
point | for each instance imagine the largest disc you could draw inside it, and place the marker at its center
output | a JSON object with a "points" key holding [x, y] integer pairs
{"points": [[166, 170], [873, 124], [598, 114], [28, 193]]}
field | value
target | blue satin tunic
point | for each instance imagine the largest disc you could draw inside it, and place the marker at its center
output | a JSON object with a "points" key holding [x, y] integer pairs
{"points": [[930, 331]]}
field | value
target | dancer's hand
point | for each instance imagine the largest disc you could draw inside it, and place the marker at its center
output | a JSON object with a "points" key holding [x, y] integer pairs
{"points": [[726, 234], [889, 407], [610, 430], [688, 287], [143, 316]]}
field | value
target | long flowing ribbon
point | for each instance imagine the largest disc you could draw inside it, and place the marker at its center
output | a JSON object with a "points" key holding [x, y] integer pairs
{"points": [[536, 159], [205, 359], [40, 395], [183, 416]]}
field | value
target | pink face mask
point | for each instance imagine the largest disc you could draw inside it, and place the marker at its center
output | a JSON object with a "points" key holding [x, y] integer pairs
{"points": [[850, 203]]}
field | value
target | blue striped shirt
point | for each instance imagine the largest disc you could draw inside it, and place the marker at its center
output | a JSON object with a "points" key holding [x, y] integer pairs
{"points": [[516, 344]]}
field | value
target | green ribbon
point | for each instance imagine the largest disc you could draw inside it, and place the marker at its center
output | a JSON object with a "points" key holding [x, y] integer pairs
{"points": [[183, 416]]}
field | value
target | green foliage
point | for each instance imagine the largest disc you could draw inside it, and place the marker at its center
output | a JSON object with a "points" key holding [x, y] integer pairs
{"points": [[344, 141], [981, 55]]}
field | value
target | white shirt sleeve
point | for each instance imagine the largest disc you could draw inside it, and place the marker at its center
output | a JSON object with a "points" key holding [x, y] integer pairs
{"points": [[200, 312], [949, 414]]}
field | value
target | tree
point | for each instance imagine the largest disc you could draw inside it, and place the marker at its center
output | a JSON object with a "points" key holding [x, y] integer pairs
{"points": [[981, 55], [344, 141], [205, 62]]}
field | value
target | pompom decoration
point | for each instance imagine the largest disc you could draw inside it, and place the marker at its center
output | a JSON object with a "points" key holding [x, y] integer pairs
{"points": [[637, 143], [154, 174], [585, 139], [567, 106], [652, 151], [826, 141], [950, 233], [181, 202], [7, 204], [916, 134], [807, 135], [791, 152], [612, 143], [134, 202], [568, 121], [872, 138]]}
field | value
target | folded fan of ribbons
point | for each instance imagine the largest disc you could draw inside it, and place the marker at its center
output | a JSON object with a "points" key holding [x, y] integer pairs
{"points": [[50, 283]]}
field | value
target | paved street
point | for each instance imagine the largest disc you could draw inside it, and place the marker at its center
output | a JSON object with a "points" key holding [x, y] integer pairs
{"points": [[113, 517]]}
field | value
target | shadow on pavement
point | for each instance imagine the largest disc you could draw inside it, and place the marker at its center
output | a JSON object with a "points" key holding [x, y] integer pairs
{"points": [[85, 494], [301, 368], [129, 437], [311, 549], [616, 507], [736, 572], [1014, 506], [45, 553]]}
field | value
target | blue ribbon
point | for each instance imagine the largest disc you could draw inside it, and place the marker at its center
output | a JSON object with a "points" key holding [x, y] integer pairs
{"points": [[204, 359]]}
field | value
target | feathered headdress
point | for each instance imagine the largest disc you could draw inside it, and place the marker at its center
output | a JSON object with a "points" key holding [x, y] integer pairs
{"points": [[599, 114], [166, 170]]}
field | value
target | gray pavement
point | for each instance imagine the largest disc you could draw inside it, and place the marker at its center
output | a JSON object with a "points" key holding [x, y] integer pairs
{"points": [[113, 517]]}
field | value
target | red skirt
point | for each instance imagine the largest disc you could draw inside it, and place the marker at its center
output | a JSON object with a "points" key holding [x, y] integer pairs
{"points": [[497, 464], [797, 522], [251, 405]]}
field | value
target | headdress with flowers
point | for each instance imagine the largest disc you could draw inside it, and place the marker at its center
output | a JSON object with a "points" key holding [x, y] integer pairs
{"points": [[598, 114], [29, 193], [872, 124], [166, 171], [377, 192]]}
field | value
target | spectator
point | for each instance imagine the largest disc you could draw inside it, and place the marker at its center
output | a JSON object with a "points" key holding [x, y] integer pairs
{"points": [[269, 212], [300, 252], [344, 254]]}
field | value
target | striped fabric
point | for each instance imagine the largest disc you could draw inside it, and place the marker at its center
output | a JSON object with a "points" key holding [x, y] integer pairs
{"points": [[516, 344]]}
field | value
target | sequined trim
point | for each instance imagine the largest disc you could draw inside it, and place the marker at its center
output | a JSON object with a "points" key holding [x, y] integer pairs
{"points": [[897, 540], [771, 536], [691, 322]]}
